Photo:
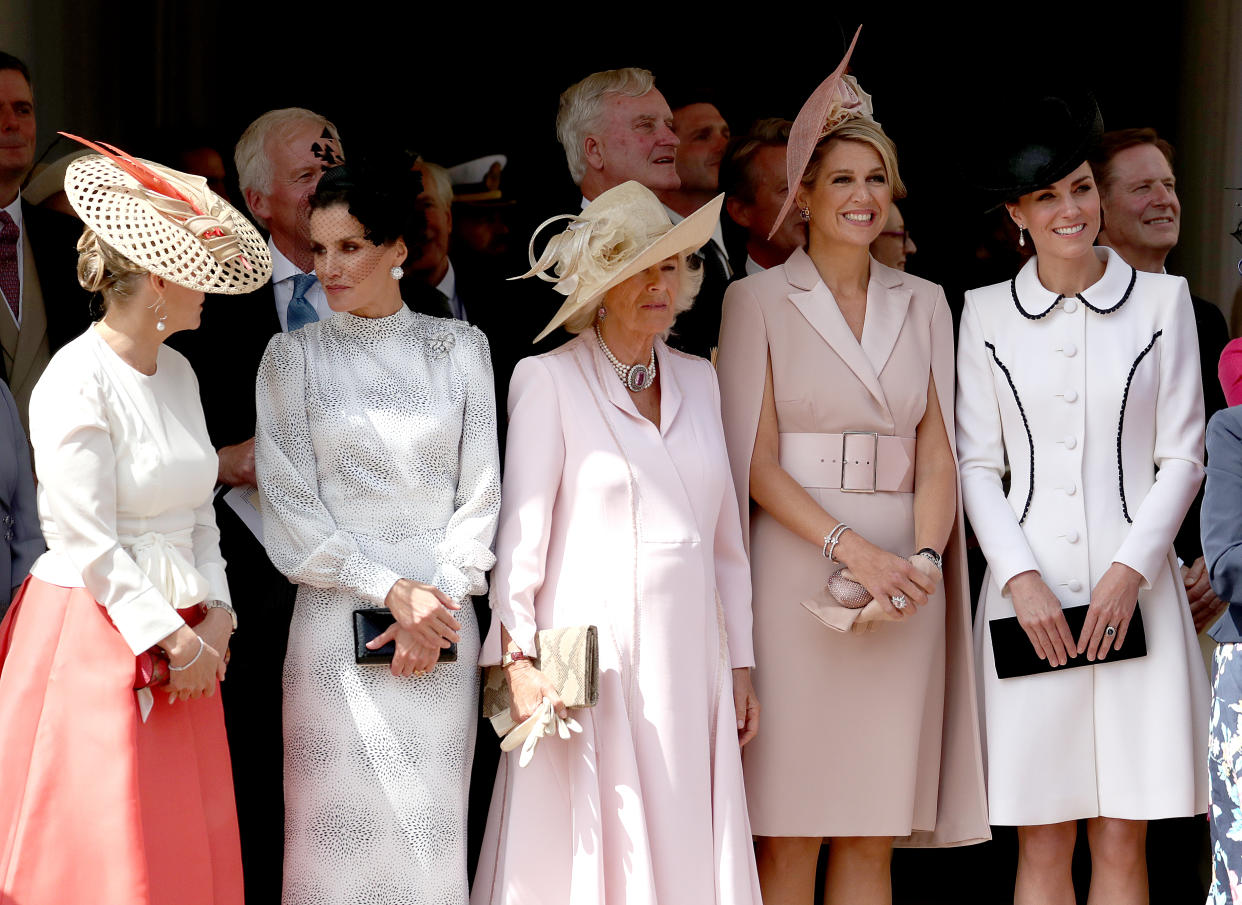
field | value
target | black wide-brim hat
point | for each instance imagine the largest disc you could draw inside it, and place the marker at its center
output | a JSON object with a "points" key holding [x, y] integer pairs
{"points": [[1036, 141]]}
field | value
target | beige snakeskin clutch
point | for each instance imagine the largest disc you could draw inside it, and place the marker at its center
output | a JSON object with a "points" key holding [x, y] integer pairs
{"points": [[569, 657]]}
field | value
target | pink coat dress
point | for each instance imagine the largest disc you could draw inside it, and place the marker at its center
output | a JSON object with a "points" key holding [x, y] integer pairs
{"points": [[610, 520], [872, 734]]}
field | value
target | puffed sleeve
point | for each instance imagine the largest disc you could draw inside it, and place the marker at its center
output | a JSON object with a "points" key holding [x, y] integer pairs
{"points": [[536, 443], [300, 535], [732, 565], [465, 554], [1178, 447], [77, 466], [741, 363], [981, 456], [1221, 515], [27, 543]]}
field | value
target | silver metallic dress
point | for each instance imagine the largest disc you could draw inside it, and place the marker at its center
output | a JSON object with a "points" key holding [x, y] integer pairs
{"points": [[376, 457]]}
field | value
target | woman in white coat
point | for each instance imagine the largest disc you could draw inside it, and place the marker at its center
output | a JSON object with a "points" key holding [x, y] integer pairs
{"points": [[1081, 376]]}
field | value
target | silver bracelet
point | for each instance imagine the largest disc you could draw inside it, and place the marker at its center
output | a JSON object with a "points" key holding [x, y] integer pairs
{"points": [[221, 605], [832, 538], [202, 646]]}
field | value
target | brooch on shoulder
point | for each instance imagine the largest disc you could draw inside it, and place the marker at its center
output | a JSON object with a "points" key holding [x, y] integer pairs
{"points": [[441, 344]]}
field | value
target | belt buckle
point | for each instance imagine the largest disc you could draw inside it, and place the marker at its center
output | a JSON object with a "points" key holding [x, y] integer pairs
{"points": [[875, 463]]}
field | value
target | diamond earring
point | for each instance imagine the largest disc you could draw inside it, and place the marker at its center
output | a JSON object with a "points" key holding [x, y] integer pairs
{"points": [[805, 214], [603, 312], [396, 272]]}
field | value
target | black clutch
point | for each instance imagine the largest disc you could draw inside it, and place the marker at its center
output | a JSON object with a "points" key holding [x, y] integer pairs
{"points": [[370, 624], [1015, 656]]}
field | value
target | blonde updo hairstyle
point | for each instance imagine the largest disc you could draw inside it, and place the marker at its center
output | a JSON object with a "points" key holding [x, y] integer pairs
{"points": [[864, 131], [104, 270], [690, 281]]}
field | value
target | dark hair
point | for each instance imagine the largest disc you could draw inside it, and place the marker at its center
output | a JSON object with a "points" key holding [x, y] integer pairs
{"points": [[1113, 143], [382, 195], [736, 179], [8, 61]]}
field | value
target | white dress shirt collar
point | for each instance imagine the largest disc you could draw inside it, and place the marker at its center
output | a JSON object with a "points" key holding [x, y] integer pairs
{"points": [[283, 272]]}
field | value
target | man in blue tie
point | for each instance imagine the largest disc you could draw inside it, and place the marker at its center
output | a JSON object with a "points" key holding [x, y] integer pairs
{"points": [[280, 158]]}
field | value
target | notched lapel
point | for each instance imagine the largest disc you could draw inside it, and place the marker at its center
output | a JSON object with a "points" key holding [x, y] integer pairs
{"points": [[812, 298], [887, 303]]}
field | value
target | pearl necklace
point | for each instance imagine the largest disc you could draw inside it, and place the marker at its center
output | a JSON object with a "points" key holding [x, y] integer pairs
{"points": [[635, 377]]}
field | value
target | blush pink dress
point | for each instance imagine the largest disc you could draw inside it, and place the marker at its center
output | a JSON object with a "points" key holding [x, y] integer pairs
{"points": [[612, 521], [871, 734]]}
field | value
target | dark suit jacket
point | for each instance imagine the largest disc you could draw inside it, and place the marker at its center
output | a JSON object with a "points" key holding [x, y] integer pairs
{"points": [[1213, 335], [53, 241], [1222, 519], [697, 331]]}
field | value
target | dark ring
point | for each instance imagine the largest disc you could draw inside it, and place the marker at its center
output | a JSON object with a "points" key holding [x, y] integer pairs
{"points": [[1109, 632]]}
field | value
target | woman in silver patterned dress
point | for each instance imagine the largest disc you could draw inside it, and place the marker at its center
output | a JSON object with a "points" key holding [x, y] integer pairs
{"points": [[379, 479]]}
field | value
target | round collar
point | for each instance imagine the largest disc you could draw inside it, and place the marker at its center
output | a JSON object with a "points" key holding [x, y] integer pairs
{"points": [[1109, 292]]}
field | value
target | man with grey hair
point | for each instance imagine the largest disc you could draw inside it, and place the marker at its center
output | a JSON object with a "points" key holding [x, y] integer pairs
{"points": [[430, 283], [280, 158], [616, 126]]}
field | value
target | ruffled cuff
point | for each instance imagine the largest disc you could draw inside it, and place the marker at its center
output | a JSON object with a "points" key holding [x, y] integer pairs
{"points": [[462, 568]]}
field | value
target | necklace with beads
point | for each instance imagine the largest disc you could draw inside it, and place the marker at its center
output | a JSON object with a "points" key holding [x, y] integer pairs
{"points": [[635, 377]]}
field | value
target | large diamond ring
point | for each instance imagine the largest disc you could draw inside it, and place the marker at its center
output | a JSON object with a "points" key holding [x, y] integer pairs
{"points": [[1109, 632], [899, 601]]}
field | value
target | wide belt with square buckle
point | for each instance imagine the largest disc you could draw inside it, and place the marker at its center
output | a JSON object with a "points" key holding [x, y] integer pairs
{"points": [[851, 461]]}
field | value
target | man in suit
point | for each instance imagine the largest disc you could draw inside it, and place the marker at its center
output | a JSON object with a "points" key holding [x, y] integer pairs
{"points": [[430, 284], [755, 184], [43, 305], [1141, 221], [280, 158]]}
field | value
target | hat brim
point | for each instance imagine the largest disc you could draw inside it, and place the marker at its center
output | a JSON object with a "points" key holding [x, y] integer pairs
{"points": [[118, 208], [690, 234]]}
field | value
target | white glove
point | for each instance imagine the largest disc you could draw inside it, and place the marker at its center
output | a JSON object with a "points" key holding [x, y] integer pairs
{"points": [[544, 721]]}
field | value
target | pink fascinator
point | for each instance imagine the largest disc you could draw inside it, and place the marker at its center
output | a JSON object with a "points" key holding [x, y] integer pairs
{"points": [[837, 99], [1230, 372]]}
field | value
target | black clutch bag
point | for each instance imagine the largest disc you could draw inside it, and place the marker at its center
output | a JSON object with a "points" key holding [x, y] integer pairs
{"points": [[370, 624], [1015, 656]]}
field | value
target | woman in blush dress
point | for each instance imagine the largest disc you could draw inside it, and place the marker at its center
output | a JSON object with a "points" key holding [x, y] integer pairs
{"points": [[836, 374], [108, 795], [619, 513], [380, 486], [1080, 377]]}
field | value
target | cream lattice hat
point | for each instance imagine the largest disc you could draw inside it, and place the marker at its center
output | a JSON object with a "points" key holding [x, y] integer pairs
{"points": [[622, 232], [167, 221]]}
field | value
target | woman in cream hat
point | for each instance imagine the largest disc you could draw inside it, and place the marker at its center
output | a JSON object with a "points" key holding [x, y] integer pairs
{"points": [[108, 794], [619, 512], [837, 380]]}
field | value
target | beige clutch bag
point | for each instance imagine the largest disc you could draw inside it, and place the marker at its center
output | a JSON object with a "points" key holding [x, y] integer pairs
{"points": [[569, 657]]}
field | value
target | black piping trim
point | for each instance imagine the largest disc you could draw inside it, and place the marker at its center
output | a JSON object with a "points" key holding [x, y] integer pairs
{"points": [[1030, 442], [1125, 297], [1121, 477]]}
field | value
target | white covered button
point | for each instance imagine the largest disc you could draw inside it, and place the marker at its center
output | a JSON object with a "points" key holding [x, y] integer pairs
{"points": [[1070, 442], [1071, 305], [1071, 536], [1069, 350], [1070, 490], [1075, 585], [1070, 395]]}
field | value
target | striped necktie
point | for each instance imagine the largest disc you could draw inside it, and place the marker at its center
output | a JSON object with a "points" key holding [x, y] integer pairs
{"points": [[301, 311]]}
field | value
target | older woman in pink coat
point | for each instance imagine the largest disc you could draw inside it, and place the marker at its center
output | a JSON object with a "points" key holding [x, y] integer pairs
{"points": [[619, 512]]}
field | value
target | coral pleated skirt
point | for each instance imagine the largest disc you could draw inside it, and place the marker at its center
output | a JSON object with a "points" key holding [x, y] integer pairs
{"points": [[95, 804]]}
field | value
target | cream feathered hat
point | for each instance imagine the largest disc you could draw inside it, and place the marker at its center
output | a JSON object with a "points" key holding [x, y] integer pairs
{"points": [[622, 232], [167, 221]]}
